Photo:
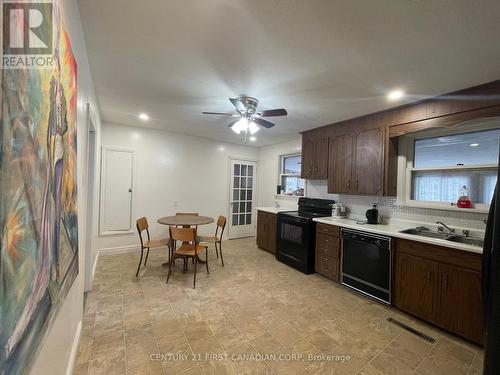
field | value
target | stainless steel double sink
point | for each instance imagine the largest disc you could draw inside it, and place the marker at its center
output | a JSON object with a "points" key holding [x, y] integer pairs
{"points": [[452, 237]]}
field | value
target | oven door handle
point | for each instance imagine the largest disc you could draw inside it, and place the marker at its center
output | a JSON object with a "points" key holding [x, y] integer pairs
{"points": [[292, 220]]}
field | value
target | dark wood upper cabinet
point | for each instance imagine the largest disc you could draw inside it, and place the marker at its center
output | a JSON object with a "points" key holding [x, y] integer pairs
{"points": [[307, 166], [368, 162], [314, 159], [356, 161], [321, 159], [340, 164]]}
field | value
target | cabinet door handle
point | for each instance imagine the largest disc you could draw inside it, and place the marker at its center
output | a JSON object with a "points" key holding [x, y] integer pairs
{"points": [[428, 275], [446, 281], [348, 184], [357, 184]]}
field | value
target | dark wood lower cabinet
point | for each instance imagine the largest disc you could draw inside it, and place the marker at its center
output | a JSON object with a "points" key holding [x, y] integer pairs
{"points": [[460, 302], [266, 231], [441, 286], [327, 257], [416, 285]]}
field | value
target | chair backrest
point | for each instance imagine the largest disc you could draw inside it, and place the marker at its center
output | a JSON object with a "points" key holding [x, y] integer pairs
{"points": [[183, 234], [142, 225], [221, 223]]}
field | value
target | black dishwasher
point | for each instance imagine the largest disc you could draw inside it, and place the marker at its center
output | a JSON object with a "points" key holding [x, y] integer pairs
{"points": [[367, 264]]}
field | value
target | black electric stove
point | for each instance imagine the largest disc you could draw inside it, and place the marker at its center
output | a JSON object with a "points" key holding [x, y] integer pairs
{"points": [[296, 236]]}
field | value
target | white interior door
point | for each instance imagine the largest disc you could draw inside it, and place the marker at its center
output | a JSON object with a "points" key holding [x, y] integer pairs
{"points": [[116, 191], [243, 180]]}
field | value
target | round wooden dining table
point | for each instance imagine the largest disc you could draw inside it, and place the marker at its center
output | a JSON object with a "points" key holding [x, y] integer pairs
{"points": [[190, 220], [185, 220]]}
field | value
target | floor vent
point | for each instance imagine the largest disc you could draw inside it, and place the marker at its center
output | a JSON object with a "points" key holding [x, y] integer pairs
{"points": [[412, 330]]}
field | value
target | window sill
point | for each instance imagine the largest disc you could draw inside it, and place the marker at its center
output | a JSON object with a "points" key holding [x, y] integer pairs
{"points": [[442, 207]]}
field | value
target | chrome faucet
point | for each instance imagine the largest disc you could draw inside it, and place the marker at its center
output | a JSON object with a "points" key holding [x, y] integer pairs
{"points": [[440, 229]]}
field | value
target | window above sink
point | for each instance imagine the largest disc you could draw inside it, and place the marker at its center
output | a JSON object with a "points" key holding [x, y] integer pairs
{"points": [[434, 166]]}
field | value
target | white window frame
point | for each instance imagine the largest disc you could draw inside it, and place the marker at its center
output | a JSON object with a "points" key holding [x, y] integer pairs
{"points": [[281, 165], [405, 164]]}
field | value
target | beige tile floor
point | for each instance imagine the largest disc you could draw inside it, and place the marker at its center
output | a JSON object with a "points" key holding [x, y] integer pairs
{"points": [[253, 316]]}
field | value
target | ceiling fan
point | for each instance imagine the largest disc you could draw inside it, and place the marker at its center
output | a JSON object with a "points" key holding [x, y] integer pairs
{"points": [[249, 119]]}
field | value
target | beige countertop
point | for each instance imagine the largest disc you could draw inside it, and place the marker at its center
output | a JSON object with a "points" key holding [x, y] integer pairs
{"points": [[393, 229]]}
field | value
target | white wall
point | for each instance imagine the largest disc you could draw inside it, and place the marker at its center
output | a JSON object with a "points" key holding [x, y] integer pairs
{"points": [[54, 356], [269, 162], [170, 167]]}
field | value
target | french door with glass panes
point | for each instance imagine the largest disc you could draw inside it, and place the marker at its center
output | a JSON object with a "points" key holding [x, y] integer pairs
{"points": [[241, 198]]}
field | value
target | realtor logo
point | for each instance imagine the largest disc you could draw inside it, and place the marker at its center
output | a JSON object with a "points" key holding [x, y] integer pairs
{"points": [[27, 34]]}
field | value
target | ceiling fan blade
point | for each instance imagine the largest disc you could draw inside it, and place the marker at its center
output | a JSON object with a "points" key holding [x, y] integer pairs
{"points": [[220, 114], [274, 112], [264, 123], [238, 105]]}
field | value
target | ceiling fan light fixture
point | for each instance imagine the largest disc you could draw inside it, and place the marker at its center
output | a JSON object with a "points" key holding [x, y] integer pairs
{"points": [[253, 128], [240, 126]]}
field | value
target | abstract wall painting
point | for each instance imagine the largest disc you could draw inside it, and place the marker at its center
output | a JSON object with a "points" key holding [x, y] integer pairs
{"points": [[38, 200]]}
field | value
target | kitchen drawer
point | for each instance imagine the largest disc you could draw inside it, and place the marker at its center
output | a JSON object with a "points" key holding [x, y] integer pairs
{"points": [[328, 244], [332, 230]]}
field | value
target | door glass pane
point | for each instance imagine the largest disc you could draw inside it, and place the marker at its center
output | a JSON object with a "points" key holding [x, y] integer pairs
{"points": [[236, 183], [236, 194], [249, 182], [243, 182], [235, 207], [468, 149], [249, 206], [235, 220], [250, 170], [242, 207], [243, 170], [236, 169], [242, 219], [249, 219], [242, 195], [249, 195]]}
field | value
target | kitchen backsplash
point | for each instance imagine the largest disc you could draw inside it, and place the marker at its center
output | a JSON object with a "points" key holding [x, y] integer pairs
{"points": [[357, 206]]}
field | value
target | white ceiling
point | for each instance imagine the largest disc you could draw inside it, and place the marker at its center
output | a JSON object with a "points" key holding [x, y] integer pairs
{"points": [[322, 60]]}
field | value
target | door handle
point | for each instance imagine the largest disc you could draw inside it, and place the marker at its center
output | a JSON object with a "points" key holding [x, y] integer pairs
{"points": [[130, 190]]}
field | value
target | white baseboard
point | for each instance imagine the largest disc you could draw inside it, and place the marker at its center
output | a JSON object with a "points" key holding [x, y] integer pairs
{"points": [[74, 349], [119, 250], [95, 264]]}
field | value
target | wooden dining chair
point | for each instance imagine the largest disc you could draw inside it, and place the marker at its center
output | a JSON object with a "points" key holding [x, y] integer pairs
{"points": [[217, 239], [189, 249], [143, 225]]}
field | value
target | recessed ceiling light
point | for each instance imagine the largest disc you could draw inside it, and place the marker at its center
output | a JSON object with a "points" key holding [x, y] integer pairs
{"points": [[253, 139], [395, 95], [143, 117], [474, 144]]}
